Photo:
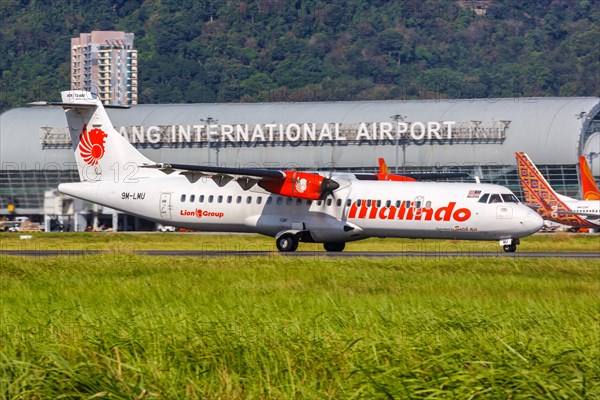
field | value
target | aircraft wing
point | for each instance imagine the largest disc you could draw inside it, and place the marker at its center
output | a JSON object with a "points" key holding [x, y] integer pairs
{"points": [[291, 183], [232, 171], [385, 175], [412, 176], [534, 206]]}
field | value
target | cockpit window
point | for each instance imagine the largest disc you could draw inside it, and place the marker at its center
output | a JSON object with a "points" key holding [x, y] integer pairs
{"points": [[509, 198], [498, 198], [495, 198]]}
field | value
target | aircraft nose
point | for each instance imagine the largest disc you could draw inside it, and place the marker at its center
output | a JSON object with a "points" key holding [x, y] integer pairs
{"points": [[532, 222]]}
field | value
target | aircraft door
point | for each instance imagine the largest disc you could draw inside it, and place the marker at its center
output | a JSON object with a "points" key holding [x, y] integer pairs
{"points": [[418, 204], [165, 206]]}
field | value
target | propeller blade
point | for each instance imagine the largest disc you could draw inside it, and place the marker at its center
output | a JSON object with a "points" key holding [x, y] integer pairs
{"points": [[328, 186]]}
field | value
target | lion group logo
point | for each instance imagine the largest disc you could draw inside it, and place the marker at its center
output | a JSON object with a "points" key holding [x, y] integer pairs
{"points": [[91, 145], [301, 185], [199, 213]]}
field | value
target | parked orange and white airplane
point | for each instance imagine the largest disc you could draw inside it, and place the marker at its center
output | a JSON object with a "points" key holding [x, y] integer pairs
{"points": [[551, 205], [290, 205], [385, 175], [588, 183]]}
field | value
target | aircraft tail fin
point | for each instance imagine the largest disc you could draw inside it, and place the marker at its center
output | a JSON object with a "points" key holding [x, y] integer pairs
{"points": [[383, 168], [588, 184], [536, 189], [101, 152], [539, 194]]}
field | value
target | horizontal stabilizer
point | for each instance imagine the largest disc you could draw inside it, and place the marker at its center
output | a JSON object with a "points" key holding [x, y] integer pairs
{"points": [[74, 105]]}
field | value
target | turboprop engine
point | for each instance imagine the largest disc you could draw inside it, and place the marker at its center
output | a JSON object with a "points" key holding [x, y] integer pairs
{"points": [[301, 185]]}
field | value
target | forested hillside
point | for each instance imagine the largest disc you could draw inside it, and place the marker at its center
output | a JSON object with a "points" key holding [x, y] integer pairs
{"points": [[272, 50]]}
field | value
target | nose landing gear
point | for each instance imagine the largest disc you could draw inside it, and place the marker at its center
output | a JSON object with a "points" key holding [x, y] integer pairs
{"points": [[510, 248], [509, 245]]}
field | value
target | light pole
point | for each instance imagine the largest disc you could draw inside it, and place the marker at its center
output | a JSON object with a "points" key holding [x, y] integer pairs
{"points": [[396, 118], [209, 121]]}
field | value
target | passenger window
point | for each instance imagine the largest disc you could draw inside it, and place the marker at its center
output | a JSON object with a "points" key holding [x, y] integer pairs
{"points": [[398, 203], [249, 200], [348, 202], [220, 199], [428, 204], [338, 202], [211, 198], [182, 198], [359, 202], [238, 199], [418, 204], [192, 198], [388, 203], [279, 200], [309, 202], [484, 198], [298, 202], [319, 202], [407, 204], [229, 199], [328, 202], [201, 198], [288, 201], [368, 203], [269, 200], [259, 200], [495, 198], [378, 203]]}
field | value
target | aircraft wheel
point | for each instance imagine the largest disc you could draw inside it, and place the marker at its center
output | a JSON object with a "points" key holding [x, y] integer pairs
{"points": [[287, 242], [334, 246], [510, 248]]}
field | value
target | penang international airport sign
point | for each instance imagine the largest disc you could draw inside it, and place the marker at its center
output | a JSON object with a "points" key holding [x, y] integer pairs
{"points": [[417, 132]]}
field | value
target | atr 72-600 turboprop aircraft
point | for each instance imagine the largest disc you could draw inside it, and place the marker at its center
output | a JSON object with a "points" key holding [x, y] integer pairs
{"points": [[553, 206], [290, 205]]}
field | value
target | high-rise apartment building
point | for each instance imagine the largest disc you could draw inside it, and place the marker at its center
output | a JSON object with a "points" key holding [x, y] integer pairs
{"points": [[104, 62]]}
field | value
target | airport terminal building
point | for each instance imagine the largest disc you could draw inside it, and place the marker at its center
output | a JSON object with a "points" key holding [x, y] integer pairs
{"points": [[478, 136]]}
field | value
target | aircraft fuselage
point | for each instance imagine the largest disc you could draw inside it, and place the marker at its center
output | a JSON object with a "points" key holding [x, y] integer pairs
{"points": [[357, 210]]}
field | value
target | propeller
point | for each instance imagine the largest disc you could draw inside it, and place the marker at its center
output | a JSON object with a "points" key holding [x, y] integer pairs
{"points": [[328, 186]]}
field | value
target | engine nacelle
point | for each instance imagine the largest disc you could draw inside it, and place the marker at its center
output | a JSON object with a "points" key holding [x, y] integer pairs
{"points": [[301, 185]]}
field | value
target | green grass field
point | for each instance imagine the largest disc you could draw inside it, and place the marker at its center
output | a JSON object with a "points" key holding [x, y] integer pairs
{"points": [[127, 242], [126, 326]]}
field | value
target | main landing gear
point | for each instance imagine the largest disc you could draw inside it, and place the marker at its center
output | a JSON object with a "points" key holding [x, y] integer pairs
{"points": [[509, 245], [288, 242], [334, 246]]}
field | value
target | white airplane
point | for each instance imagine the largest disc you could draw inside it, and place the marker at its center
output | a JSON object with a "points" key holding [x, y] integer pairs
{"points": [[292, 206], [553, 206]]}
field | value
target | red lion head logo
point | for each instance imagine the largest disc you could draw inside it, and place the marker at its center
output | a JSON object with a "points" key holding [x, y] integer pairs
{"points": [[91, 145]]}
